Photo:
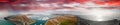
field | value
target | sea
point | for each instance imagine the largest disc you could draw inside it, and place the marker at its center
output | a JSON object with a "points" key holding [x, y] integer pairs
{"points": [[38, 22]]}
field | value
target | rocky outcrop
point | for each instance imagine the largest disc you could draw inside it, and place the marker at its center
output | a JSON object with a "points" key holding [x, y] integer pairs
{"points": [[19, 20], [62, 20]]}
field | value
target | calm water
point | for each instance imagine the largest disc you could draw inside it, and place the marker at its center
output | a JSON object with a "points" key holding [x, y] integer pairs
{"points": [[38, 22], [4, 22]]}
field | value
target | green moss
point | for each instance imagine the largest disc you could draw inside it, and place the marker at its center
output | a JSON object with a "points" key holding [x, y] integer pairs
{"points": [[67, 22]]}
